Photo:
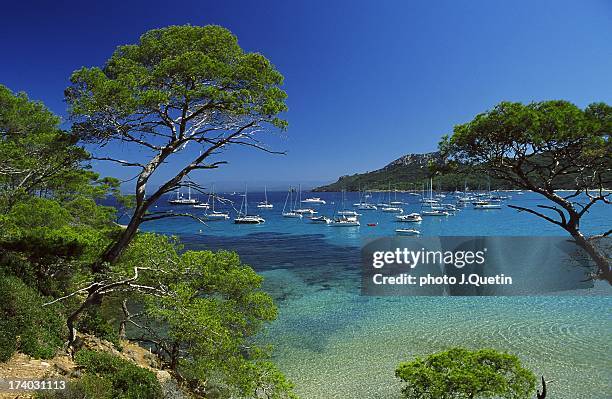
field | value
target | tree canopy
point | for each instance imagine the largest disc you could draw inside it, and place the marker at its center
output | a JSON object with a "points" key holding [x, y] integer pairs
{"points": [[463, 374], [535, 145], [178, 86]]}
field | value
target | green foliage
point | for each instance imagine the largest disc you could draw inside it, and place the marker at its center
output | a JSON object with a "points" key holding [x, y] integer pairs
{"points": [[168, 68], [460, 373], [115, 377], [36, 156], [93, 322], [25, 325], [538, 145], [88, 386], [49, 244], [210, 307]]}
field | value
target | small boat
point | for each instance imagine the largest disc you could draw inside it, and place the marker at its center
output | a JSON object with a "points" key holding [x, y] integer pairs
{"points": [[392, 209], [304, 211], [291, 213], [202, 205], [372, 224], [348, 213], [265, 204], [314, 200], [412, 217], [215, 215], [345, 222], [320, 219], [487, 206], [245, 218], [249, 220], [407, 232], [434, 212]]}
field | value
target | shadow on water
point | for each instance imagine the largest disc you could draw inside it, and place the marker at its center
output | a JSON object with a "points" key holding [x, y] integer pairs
{"points": [[315, 284]]}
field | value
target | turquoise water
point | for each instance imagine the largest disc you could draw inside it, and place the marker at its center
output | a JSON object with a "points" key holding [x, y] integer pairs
{"points": [[334, 343]]}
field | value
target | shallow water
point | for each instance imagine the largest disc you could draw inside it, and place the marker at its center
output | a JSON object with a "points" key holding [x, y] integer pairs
{"points": [[334, 343]]}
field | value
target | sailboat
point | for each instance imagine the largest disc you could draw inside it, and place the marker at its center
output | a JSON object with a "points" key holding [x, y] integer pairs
{"points": [[389, 208], [363, 204], [290, 213], [265, 204], [244, 218], [347, 218], [213, 214], [180, 200], [434, 208], [395, 201]]}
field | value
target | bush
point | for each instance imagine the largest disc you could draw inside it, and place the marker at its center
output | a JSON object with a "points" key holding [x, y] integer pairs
{"points": [[462, 374], [125, 379], [86, 387], [25, 325]]}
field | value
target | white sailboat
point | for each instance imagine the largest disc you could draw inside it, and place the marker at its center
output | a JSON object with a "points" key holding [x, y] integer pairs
{"points": [[245, 218], [347, 218], [389, 207], [291, 213], [265, 204], [395, 201], [214, 214], [363, 204], [434, 208]]}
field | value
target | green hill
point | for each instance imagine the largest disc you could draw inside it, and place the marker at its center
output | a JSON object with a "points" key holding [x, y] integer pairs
{"points": [[413, 171]]}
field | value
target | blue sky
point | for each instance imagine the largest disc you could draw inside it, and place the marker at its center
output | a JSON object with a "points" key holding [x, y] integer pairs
{"points": [[368, 81]]}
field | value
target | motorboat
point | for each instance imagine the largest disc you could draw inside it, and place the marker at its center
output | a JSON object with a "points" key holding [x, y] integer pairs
{"points": [[314, 200], [407, 232], [411, 217], [348, 213], [344, 221], [256, 219], [392, 209], [434, 212], [487, 206], [320, 219], [305, 211]]}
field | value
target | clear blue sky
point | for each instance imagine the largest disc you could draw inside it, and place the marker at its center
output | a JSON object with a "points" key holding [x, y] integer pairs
{"points": [[368, 81]]}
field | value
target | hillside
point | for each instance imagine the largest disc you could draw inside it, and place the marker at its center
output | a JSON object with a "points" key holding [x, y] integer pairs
{"points": [[408, 172], [413, 171]]}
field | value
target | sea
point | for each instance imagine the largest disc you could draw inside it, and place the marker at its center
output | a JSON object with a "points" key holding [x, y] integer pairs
{"points": [[333, 342]]}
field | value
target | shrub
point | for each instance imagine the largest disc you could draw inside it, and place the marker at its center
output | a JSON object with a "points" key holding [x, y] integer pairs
{"points": [[463, 374], [127, 380], [25, 325]]}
